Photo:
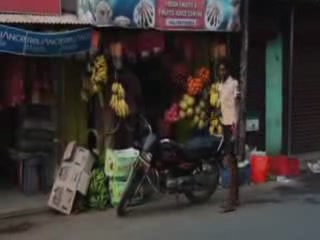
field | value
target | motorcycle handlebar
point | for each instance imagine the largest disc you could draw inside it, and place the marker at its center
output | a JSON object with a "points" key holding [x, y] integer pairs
{"points": [[146, 124]]}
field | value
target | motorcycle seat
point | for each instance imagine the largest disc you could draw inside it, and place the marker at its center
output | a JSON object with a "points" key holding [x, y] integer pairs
{"points": [[201, 146], [195, 148]]}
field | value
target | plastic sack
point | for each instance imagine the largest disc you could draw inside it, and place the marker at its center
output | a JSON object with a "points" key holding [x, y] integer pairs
{"points": [[118, 162], [117, 189]]}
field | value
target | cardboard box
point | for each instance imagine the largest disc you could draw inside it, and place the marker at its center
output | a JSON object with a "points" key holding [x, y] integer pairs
{"points": [[69, 174], [83, 183], [73, 176], [83, 159], [62, 198], [68, 153]]}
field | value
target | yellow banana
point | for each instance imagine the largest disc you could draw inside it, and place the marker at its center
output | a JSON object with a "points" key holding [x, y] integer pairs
{"points": [[113, 87], [121, 92], [114, 102], [122, 108], [220, 130]]}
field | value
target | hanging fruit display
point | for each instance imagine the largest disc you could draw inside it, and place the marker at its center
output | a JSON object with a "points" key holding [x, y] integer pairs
{"points": [[195, 86], [96, 80], [172, 114], [200, 118], [204, 74], [215, 128], [198, 83], [215, 119], [117, 102], [214, 95], [186, 106]]}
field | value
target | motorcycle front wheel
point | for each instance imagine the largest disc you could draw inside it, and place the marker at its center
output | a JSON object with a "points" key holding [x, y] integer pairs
{"points": [[213, 173]]}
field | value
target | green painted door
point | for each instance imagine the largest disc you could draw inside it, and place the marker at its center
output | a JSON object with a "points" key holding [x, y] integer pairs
{"points": [[274, 104]]}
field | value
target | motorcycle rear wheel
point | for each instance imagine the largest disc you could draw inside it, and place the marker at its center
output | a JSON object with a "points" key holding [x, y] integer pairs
{"points": [[212, 186]]}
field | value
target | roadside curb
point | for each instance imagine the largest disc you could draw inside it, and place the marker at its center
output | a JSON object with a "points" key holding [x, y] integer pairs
{"points": [[22, 213]]}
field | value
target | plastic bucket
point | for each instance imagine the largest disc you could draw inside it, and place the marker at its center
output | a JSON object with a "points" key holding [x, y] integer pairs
{"points": [[260, 166], [284, 166]]}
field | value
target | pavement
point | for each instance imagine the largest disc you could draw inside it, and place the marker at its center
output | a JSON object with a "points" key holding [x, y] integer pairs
{"points": [[272, 211]]}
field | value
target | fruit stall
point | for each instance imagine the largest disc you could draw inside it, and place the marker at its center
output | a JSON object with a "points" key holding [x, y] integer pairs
{"points": [[158, 58], [172, 80]]}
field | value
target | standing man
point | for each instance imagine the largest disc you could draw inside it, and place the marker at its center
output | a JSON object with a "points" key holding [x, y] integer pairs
{"points": [[229, 94]]}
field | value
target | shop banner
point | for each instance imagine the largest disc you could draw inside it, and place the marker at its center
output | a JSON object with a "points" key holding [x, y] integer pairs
{"points": [[47, 7], [207, 15], [202, 15], [22, 42], [173, 14], [125, 13]]}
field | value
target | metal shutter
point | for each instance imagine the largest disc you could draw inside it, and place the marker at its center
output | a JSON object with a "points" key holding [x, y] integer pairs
{"points": [[305, 114]]}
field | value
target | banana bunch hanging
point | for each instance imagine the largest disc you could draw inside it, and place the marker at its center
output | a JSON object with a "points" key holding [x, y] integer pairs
{"points": [[215, 128], [215, 96], [96, 79], [117, 102]]}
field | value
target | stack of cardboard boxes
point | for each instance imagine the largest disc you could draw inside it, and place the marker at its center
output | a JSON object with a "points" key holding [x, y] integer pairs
{"points": [[73, 176]]}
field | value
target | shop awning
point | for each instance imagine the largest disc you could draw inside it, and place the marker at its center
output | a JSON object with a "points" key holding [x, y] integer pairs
{"points": [[65, 18], [20, 41]]}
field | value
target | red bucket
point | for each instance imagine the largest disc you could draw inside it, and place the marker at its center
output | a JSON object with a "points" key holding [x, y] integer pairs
{"points": [[260, 166], [285, 166]]}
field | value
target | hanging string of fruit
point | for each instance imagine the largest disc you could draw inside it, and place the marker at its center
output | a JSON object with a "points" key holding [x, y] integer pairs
{"points": [[96, 79], [172, 114], [186, 106], [215, 128], [200, 118], [198, 83], [193, 105], [118, 100], [195, 86]]}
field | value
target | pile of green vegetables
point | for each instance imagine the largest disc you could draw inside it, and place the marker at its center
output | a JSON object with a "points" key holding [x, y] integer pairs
{"points": [[98, 194]]}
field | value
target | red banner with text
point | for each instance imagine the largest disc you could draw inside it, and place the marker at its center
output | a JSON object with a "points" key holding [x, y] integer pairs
{"points": [[191, 15], [47, 7], [181, 14]]}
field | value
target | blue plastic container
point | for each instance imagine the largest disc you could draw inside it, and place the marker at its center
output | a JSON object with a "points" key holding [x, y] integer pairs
{"points": [[244, 176]]}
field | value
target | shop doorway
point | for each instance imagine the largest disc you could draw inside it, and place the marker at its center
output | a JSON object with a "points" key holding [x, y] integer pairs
{"points": [[28, 122]]}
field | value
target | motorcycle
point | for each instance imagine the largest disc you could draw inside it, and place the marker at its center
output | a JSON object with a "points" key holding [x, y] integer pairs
{"points": [[169, 167]]}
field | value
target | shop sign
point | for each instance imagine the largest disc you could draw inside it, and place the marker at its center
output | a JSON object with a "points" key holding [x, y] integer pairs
{"points": [[211, 15], [22, 42], [132, 13], [203, 15], [174, 14], [48, 7]]}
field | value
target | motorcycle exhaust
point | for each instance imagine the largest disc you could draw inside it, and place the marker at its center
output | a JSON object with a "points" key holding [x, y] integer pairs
{"points": [[186, 183]]}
